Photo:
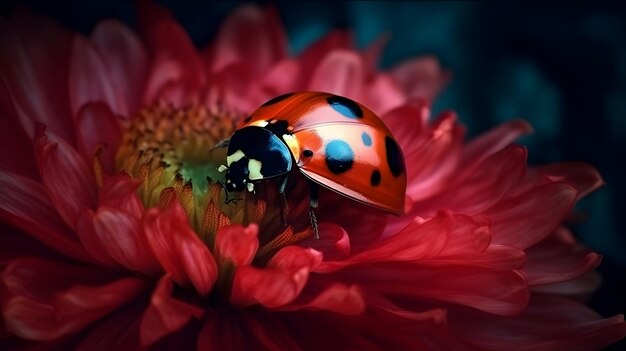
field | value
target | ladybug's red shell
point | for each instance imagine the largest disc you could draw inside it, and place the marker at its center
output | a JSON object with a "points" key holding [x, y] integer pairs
{"points": [[340, 144]]}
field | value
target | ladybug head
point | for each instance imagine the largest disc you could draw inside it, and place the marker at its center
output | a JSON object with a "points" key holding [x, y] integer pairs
{"points": [[237, 176]]}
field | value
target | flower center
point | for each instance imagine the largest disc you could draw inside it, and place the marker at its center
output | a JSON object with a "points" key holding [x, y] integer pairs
{"points": [[173, 152], [173, 148]]}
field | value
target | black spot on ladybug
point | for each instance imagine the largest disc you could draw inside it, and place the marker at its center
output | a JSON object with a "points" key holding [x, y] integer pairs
{"points": [[278, 127], [277, 99], [307, 153], [375, 178], [367, 140], [339, 156], [248, 119], [394, 157], [345, 106]]}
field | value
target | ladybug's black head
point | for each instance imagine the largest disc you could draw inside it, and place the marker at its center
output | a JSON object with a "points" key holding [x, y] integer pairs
{"points": [[237, 175]]}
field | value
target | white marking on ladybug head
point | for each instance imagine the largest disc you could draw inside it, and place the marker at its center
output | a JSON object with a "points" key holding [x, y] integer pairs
{"points": [[254, 167], [222, 168], [259, 123], [293, 145], [250, 187], [236, 156]]}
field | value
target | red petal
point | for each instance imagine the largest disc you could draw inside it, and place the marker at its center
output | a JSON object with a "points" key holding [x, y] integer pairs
{"points": [[24, 204], [279, 283], [165, 82], [126, 60], [90, 79], [83, 303], [91, 242], [237, 244], [233, 44], [549, 323], [34, 58], [382, 94], [581, 288], [421, 77], [496, 256], [313, 54], [269, 287], [335, 333], [432, 160], [165, 314], [477, 188], [179, 250], [117, 331], [120, 236], [333, 242], [21, 159], [559, 258], [363, 232], [119, 195], [526, 219], [494, 140], [295, 258], [497, 290], [375, 330], [440, 237], [222, 332], [119, 192], [68, 181], [281, 78], [175, 57], [415, 116], [97, 126], [337, 298], [374, 50], [185, 338], [45, 300], [436, 316], [271, 332], [232, 87], [281, 75], [341, 72], [15, 243], [581, 176], [15, 343]]}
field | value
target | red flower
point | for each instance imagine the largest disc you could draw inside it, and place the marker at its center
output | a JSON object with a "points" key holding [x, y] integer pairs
{"points": [[114, 239]]}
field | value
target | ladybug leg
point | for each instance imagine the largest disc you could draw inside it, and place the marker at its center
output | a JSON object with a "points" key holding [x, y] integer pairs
{"points": [[282, 187], [313, 203], [228, 201]]}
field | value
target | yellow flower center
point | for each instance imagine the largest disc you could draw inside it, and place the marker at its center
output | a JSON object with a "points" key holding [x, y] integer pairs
{"points": [[172, 151]]}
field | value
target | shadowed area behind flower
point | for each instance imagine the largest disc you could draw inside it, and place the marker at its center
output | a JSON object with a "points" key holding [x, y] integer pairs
{"points": [[111, 241]]}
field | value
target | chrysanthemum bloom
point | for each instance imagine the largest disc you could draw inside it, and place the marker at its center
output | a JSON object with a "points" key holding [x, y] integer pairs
{"points": [[116, 236]]}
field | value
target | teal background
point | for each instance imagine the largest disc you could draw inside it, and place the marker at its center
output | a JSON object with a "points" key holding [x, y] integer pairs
{"points": [[562, 66]]}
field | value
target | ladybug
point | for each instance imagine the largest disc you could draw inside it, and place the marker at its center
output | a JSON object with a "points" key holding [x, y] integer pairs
{"points": [[333, 141]]}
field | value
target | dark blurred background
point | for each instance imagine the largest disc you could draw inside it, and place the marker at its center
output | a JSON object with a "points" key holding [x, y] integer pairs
{"points": [[561, 66]]}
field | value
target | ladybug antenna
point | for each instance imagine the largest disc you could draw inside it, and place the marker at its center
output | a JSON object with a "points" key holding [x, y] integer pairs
{"points": [[222, 144]]}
